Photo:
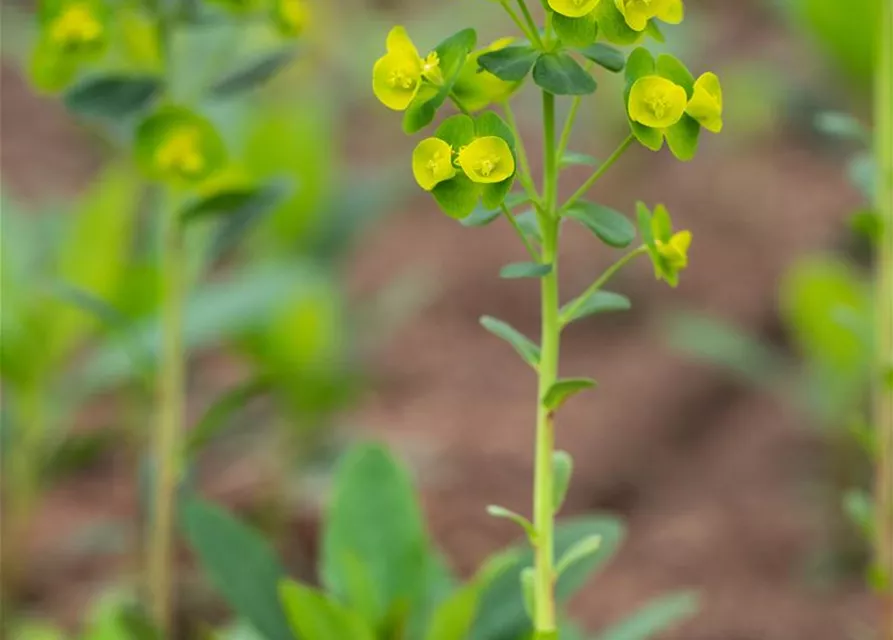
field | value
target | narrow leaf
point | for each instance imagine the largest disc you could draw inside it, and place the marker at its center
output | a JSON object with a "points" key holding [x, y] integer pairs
{"points": [[315, 615], [612, 227], [598, 302], [480, 217], [528, 590], [525, 270], [525, 348], [655, 617], [571, 158], [247, 216], [240, 564], [253, 74], [560, 74], [562, 470], [501, 512], [583, 548], [113, 96], [563, 390], [216, 417]]}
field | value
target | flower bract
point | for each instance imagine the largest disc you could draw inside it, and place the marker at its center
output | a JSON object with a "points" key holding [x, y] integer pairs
{"points": [[291, 16], [487, 160], [179, 146], [573, 8], [76, 27], [637, 13], [476, 88], [397, 76], [705, 105], [432, 163]]}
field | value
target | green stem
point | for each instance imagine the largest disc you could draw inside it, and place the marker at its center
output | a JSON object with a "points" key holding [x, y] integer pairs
{"points": [[543, 509], [531, 23], [524, 175], [569, 122], [599, 172], [516, 19], [517, 227], [883, 401], [598, 284], [167, 445]]}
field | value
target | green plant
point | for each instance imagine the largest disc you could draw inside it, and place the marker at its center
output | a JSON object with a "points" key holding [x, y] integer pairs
{"points": [[474, 157], [382, 578]]}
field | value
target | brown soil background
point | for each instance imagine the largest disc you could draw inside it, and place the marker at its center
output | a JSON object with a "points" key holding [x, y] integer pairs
{"points": [[712, 478]]}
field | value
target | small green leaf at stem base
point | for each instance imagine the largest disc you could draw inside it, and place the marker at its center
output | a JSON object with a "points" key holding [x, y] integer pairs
{"points": [[598, 302], [511, 64], [523, 345], [580, 550], [561, 75], [563, 470], [563, 390], [610, 226], [501, 512], [518, 270]]}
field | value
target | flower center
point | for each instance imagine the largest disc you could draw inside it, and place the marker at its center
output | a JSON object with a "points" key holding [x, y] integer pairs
{"points": [[401, 79], [439, 163], [485, 166], [181, 153], [75, 26], [658, 105]]}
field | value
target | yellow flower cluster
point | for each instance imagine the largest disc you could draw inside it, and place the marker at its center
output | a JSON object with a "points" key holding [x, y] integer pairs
{"points": [[659, 103], [486, 160]]}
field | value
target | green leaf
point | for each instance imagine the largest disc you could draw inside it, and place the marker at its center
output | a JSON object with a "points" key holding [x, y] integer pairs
{"points": [[374, 516], [682, 138], [525, 270], [672, 69], [580, 550], [511, 64], [112, 96], [216, 417], [35, 630], [525, 348], [253, 74], [561, 75], [248, 215], [563, 470], [529, 225], [598, 302], [501, 512], [612, 25], [457, 130], [314, 615], [452, 53], [480, 217], [643, 221], [239, 563], [528, 591], [653, 30], [843, 126], [502, 612], [640, 63], [656, 617], [605, 56], [575, 32], [612, 227], [571, 158], [457, 197], [562, 390]]}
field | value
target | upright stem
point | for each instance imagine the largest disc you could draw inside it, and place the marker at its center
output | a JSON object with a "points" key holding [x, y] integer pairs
{"points": [[883, 401], [169, 429], [543, 508]]}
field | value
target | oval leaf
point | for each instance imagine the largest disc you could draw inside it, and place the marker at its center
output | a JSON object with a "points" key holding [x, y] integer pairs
{"points": [[605, 56], [598, 302], [480, 217], [113, 96], [575, 32], [562, 469], [612, 227], [562, 390], [525, 348], [581, 549], [560, 74], [511, 64], [315, 615], [525, 270], [501, 512]]}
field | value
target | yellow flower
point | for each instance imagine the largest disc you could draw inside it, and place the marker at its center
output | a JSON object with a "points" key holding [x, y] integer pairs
{"points": [[76, 27], [291, 16], [487, 160], [397, 76], [180, 154], [656, 102], [573, 8], [637, 13], [432, 163], [675, 250], [706, 103]]}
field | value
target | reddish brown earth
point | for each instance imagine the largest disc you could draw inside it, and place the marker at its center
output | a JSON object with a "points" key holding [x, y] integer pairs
{"points": [[712, 478]]}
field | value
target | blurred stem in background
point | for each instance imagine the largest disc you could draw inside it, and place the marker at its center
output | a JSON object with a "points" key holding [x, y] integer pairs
{"points": [[168, 433], [884, 379]]}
